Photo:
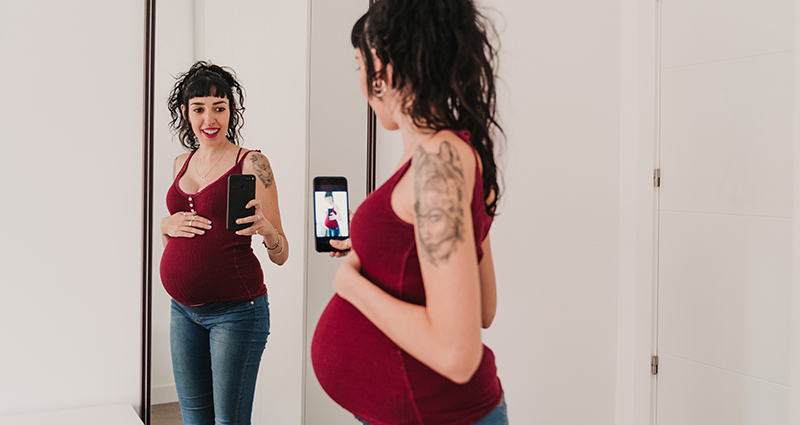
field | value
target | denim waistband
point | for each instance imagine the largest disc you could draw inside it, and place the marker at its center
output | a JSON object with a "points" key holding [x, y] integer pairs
{"points": [[214, 308]]}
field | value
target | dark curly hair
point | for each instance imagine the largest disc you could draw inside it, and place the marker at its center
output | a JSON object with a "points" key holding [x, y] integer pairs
{"points": [[201, 80], [443, 67]]}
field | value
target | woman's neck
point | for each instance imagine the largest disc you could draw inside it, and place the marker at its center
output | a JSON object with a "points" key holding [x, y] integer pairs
{"points": [[207, 152], [413, 136]]}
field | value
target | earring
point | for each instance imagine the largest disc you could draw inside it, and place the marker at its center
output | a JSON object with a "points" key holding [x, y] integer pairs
{"points": [[378, 87]]}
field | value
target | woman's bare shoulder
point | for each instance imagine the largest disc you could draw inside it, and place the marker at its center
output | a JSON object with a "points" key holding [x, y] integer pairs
{"points": [[177, 164], [256, 163], [446, 152]]}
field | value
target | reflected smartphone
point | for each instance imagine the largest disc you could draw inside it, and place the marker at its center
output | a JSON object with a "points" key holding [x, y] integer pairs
{"points": [[241, 190], [331, 212]]}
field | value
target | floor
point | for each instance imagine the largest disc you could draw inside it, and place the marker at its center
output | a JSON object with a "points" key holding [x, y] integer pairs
{"points": [[165, 414]]}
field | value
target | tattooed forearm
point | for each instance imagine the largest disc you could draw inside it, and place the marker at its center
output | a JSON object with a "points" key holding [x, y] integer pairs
{"points": [[262, 169], [439, 190]]}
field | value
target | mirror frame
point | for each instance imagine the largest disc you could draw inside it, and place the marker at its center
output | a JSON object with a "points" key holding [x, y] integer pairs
{"points": [[147, 199], [147, 207]]}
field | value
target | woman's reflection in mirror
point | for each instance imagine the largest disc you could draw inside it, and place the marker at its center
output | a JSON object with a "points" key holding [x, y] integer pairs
{"points": [[400, 342], [332, 217], [220, 313]]}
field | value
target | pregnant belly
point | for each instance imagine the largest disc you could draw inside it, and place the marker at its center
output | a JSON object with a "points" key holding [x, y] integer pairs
{"points": [[192, 275], [359, 367]]}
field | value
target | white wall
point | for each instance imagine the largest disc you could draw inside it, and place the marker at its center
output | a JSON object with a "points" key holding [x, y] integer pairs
{"points": [[71, 178], [174, 54], [555, 241], [795, 348]]}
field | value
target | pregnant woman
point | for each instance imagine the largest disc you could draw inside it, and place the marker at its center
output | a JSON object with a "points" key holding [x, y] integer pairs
{"points": [[400, 342], [220, 313]]}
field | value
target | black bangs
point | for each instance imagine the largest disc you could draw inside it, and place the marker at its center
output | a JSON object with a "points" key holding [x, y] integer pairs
{"points": [[357, 34], [207, 85]]}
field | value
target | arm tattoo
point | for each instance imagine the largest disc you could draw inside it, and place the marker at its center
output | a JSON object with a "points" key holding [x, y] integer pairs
{"points": [[262, 169], [439, 190]]}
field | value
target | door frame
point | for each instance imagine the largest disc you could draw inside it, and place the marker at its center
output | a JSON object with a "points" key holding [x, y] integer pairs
{"points": [[638, 211]]}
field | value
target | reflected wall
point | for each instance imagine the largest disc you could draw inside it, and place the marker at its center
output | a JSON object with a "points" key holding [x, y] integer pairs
{"points": [[337, 135]]}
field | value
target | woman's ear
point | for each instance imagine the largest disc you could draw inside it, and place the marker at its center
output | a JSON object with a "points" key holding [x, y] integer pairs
{"points": [[378, 65], [388, 74], [183, 112]]}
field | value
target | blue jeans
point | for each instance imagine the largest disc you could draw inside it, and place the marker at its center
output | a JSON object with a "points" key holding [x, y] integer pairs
{"points": [[216, 350], [332, 233], [498, 416]]}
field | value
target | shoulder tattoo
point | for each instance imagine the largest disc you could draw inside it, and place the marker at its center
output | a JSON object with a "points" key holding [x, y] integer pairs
{"points": [[439, 192], [262, 169]]}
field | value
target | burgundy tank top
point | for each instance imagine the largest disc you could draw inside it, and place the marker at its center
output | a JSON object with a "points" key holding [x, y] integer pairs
{"points": [[359, 366], [218, 266]]}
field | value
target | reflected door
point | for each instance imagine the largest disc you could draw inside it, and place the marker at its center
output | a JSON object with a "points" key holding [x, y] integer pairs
{"points": [[725, 212]]}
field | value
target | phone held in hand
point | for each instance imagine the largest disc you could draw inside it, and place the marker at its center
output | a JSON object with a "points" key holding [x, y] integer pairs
{"points": [[331, 212], [241, 190]]}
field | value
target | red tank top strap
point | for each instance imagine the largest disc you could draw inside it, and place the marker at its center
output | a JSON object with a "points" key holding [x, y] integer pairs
{"points": [[246, 151], [185, 165]]}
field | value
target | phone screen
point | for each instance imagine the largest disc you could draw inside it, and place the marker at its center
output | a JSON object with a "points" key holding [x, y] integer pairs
{"points": [[331, 211], [241, 190]]}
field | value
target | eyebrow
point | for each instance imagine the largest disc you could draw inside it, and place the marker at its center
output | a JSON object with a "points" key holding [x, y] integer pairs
{"points": [[203, 104]]}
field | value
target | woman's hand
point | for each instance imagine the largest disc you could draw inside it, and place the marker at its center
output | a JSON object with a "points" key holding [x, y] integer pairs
{"points": [[346, 278], [261, 226], [342, 245], [184, 225]]}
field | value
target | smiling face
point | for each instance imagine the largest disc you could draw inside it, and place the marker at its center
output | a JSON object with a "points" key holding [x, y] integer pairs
{"points": [[209, 117]]}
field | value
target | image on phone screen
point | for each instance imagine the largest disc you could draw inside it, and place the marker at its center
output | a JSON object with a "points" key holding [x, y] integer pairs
{"points": [[331, 211]]}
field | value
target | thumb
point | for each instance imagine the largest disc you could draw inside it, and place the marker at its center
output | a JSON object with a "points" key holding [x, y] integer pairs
{"points": [[340, 244]]}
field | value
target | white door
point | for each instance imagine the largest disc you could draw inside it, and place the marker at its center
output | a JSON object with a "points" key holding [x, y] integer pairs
{"points": [[725, 208]]}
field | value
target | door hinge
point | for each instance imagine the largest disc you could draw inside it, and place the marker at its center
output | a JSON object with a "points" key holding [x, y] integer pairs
{"points": [[654, 365], [657, 177]]}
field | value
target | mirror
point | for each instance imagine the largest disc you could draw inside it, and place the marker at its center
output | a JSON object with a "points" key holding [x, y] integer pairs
{"points": [[266, 48]]}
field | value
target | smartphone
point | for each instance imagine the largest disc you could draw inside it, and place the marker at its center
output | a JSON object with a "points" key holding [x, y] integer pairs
{"points": [[331, 211], [241, 190]]}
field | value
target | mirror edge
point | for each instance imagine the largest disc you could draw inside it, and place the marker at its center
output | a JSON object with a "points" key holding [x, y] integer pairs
{"points": [[147, 207]]}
